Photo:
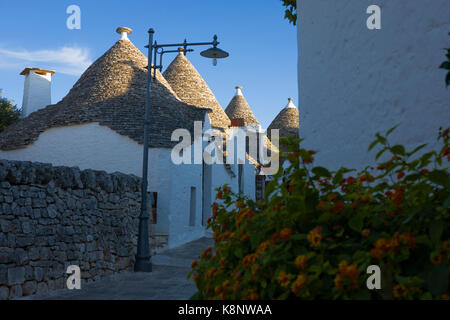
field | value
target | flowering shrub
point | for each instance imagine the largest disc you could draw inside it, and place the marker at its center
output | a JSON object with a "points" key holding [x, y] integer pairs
{"points": [[317, 231]]}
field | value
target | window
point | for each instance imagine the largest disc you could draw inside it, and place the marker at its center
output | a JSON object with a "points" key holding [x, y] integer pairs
{"points": [[193, 206]]}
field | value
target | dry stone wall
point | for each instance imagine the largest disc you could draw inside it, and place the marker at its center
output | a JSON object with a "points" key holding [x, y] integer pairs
{"points": [[53, 217]]}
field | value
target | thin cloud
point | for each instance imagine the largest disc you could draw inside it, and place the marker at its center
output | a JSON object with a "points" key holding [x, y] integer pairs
{"points": [[66, 60]]}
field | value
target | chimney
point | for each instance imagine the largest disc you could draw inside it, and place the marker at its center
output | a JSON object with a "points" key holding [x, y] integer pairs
{"points": [[124, 32], [291, 103], [37, 90], [238, 91]]}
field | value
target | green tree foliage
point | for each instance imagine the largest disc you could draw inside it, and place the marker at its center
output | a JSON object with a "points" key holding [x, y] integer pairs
{"points": [[8, 112], [291, 11], [446, 65]]}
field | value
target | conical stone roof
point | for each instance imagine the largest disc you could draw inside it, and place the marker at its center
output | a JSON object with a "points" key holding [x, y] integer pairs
{"points": [[192, 89], [112, 92], [238, 108], [286, 121]]}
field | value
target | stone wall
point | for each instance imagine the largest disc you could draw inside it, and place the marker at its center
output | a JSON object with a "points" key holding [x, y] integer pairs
{"points": [[53, 217]]}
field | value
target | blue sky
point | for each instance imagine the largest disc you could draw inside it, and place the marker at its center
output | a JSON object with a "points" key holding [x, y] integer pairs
{"points": [[261, 43]]}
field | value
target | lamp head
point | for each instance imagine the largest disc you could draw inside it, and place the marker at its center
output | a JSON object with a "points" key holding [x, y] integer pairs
{"points": [[214, 52]]}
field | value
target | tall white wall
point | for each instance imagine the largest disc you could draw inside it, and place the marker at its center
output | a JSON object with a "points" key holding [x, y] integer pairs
{"points": [[36, 93], [354, 82]]}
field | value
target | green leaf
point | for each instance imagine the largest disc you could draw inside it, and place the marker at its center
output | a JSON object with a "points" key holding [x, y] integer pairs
{"points": [[446, 204], [239, 253], [391, 130], [437, 280], [373, 144], [435, 231], [445, 65], [400, 279], [338, 177], [380, 153], [398, 149], [417, 149], [356, 223], [321, 172], [427, 296], [440, 177]]}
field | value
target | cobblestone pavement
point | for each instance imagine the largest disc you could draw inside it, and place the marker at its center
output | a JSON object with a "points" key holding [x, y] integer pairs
{"points": [[168, 280]]}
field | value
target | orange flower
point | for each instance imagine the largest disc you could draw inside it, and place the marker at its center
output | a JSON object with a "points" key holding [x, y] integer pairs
{"points": [[445, 247], [397, 197], [346, 271], [365, 233], [446, 151], [255, 269], [400, 291], [339, 281], [321, 205], [263, 247], [284, 279], [215, 208], [424, 171], [210, 273], [351, 180], [285, 233], [331, 196], [299, 283], [382, 244], [219, 195], [315, 237], [437, 258], [355, 205], [274, 237], [218, 289], [352, 271], [252, 295], [245, 237], [222, 261], [400, 175], [338, 206], [249, 260], [366, 177], [240, 204], [342, 266], [300, 262], [194, 263], [291, 189]]}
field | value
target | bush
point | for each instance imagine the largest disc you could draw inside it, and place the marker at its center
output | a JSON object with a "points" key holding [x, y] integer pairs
{"points": [[317, 231], [8, 113]]}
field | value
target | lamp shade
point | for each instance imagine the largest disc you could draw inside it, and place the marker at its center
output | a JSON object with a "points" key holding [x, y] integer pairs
{"points": [[214, 53]]}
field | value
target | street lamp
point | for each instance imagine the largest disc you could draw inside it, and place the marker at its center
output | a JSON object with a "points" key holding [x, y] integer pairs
{"points": [[143, 257]]}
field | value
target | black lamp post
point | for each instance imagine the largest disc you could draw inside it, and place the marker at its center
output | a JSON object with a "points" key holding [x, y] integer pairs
{"points": [[143, 256]]}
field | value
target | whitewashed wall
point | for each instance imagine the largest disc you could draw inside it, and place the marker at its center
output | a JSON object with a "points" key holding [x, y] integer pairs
{"points": [[354, 82], [183, 177], [91, 146]]}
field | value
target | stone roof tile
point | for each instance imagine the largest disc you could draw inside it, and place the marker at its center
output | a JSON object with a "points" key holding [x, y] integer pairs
{"points": [[238, 108], [190, 87], [112, 92]]}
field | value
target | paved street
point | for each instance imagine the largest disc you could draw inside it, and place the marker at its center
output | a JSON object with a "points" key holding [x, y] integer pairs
{"points": [[167, 281]]}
